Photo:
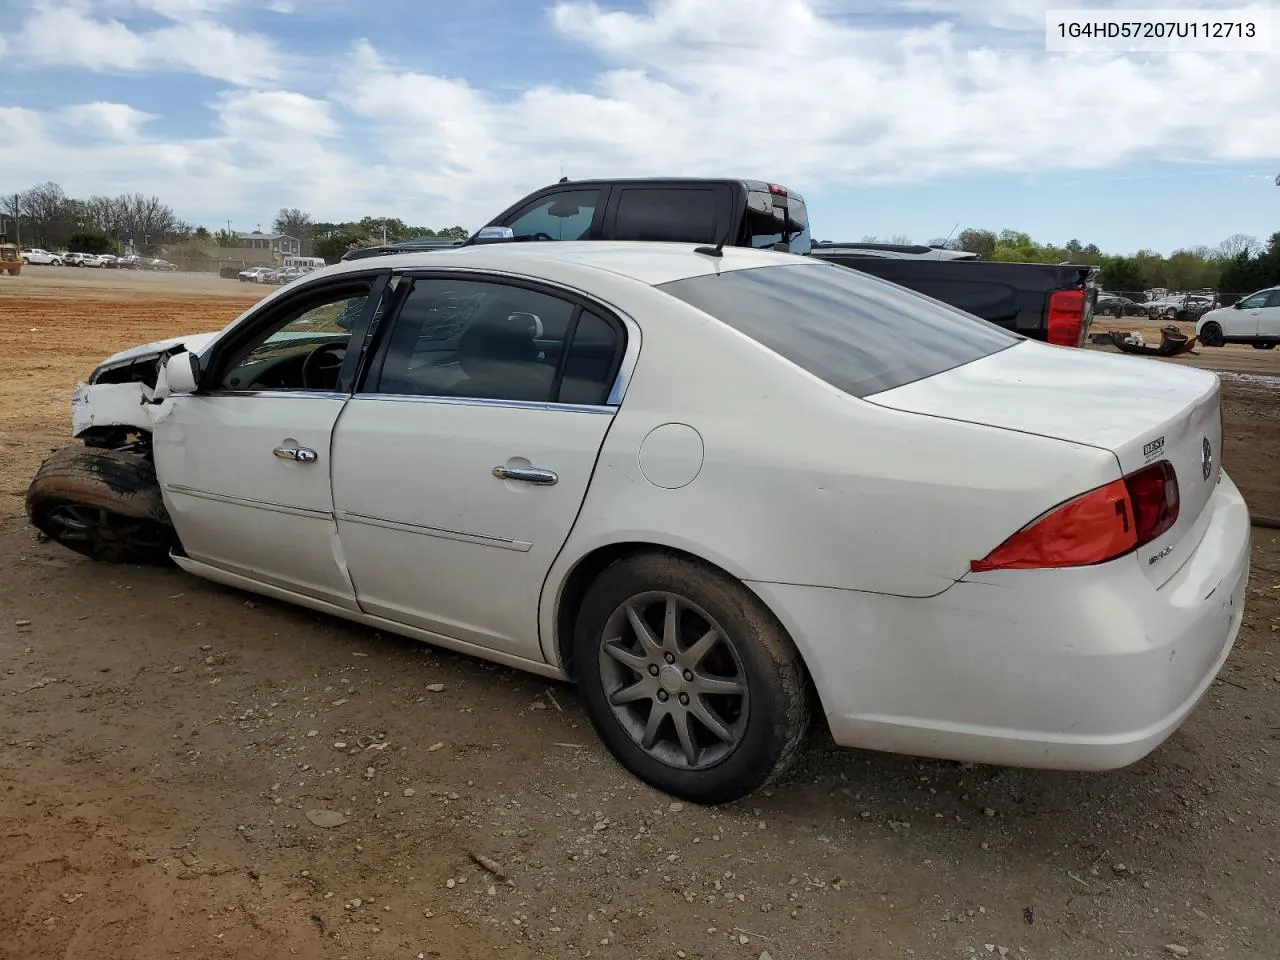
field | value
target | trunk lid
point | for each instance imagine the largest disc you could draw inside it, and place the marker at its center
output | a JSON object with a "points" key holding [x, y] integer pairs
{"points": [[1142, 410]]}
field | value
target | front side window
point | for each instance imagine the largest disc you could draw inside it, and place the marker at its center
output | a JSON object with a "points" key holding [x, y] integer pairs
{"points": [[303, 349], [561, 216], [860, 334], [1255, 301], [484, 340]]}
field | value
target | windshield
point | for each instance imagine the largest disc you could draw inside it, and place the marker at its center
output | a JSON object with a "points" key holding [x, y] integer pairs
{"points": [[860, 334]]}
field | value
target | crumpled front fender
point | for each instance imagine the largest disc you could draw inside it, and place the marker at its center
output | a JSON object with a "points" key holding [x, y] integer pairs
{"points": [[110, 405]]}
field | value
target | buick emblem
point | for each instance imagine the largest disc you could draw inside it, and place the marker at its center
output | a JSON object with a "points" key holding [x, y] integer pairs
{"points": [[1206, 458]]}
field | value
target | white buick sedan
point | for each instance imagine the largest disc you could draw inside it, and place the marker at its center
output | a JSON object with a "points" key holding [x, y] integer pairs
{"points": [[720, 490]]}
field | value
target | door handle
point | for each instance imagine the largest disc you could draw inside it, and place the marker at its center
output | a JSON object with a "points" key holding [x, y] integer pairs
{"points": [[526, 474], [296, 454]]}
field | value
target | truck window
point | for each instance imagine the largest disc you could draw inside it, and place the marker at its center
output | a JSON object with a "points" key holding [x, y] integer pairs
{"points": [[663, 213], [763, 230], [561, 216], [860, 334]]}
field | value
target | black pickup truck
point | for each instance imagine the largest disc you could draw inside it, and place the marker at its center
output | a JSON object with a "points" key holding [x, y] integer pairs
{"points": [[1049, 302]]}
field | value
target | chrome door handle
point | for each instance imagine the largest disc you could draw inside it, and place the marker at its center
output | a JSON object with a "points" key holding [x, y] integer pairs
{"points": [[527, 474], [296, 454]]}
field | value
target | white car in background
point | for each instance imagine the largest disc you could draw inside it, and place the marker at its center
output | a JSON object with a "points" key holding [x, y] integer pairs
{"points": [[725, 490], [1254, 319], [255, 275], [38, 256]]}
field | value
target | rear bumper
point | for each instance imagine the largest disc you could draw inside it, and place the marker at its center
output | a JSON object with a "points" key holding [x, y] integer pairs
{"points": [[1084, 669]]}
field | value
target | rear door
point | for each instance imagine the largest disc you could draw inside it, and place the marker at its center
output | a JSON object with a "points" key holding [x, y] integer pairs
{"points": [[693, 212], [460, 466], [1245, 320]]}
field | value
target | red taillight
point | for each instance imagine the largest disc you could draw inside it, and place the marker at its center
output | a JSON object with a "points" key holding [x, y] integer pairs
{"points": [[777, 190], [1095, 527], [1066, 317]]}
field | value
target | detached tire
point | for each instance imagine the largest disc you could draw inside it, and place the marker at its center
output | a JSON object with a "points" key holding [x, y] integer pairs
{"points": [[102, 503], [689, 680]]}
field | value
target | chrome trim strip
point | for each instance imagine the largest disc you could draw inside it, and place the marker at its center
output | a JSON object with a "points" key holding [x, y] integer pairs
{"points": [[520, 546], [244, 502], [303, 394], [484, 402]]}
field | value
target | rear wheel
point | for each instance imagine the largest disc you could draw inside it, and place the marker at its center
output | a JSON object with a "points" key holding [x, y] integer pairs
{"points": [[1211, 335], [1264, 345], [690, 681], [105, 504]]}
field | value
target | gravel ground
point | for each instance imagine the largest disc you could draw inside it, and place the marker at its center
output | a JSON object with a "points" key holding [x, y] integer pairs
{"points": [[167, 746]]}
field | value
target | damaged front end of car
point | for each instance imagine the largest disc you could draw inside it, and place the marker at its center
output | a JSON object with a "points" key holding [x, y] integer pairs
{"points": [[101, 497]]}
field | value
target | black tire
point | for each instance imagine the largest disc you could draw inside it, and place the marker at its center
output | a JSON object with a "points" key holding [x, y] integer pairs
{"points": [[1264, 345], [105, 504], [770, 732], [1211, 335]]}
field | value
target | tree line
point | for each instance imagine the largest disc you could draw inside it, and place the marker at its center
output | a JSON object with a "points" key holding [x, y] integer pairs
{"points": [[45, 216], [1240, 264], [49, 218]]}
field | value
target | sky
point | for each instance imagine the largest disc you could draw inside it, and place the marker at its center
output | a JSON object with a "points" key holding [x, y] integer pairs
{"points": [[891, 117]]}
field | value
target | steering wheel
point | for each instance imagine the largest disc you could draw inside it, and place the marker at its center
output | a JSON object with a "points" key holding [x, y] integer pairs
{"points": [[542, 236], [320, 369]]}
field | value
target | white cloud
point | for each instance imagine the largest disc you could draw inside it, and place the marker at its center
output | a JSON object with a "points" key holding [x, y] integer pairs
{"points": [[65, 37], [112, 121], [821, 97]]}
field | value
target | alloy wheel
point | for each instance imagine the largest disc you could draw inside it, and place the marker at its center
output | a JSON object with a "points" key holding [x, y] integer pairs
{"points": [[674, 680]]}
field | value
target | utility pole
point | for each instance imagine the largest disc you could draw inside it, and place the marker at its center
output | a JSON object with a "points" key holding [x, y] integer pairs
{"points": [[17, 222]]}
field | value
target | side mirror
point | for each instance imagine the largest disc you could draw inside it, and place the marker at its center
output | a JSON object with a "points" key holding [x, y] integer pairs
{"points": [[495, 233], [182, 372], [1238, 305]]}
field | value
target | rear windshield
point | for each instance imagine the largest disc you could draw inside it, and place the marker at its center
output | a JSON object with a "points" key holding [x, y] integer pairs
{"points": [[860, 334]]}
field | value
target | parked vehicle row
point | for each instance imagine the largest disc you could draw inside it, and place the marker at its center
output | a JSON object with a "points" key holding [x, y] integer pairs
{"points": [[36, 255], [276, 275]]}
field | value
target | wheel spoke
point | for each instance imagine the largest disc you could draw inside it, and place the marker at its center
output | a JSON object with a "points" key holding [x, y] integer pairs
{"points": [[644, 633], [706, 716], [632, 661], [656, 715], [637, 691], [685, 733], [705, 685], [671, 626], [693, 656]]}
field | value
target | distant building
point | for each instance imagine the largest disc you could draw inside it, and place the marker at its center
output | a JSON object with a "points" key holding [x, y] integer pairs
{"points": [[279, 244]]}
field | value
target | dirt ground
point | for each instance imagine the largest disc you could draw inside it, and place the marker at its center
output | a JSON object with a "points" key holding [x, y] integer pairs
{"points": [[162, 740]]}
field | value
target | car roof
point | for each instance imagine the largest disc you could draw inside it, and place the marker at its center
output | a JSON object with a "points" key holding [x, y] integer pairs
{"points": [[648, 262]]}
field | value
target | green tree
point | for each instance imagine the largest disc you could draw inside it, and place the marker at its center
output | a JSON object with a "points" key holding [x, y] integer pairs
{"points": [[90, 242], [1121, 275]]}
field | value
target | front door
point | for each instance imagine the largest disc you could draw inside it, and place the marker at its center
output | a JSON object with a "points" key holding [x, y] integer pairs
{"points": [[1269, 317], [460, 467], [244, 462]]}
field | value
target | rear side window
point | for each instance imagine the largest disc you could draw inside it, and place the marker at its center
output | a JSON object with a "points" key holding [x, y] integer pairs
{"points": [[678, 216], [764, 230], [860, 334], [562, 216]]}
